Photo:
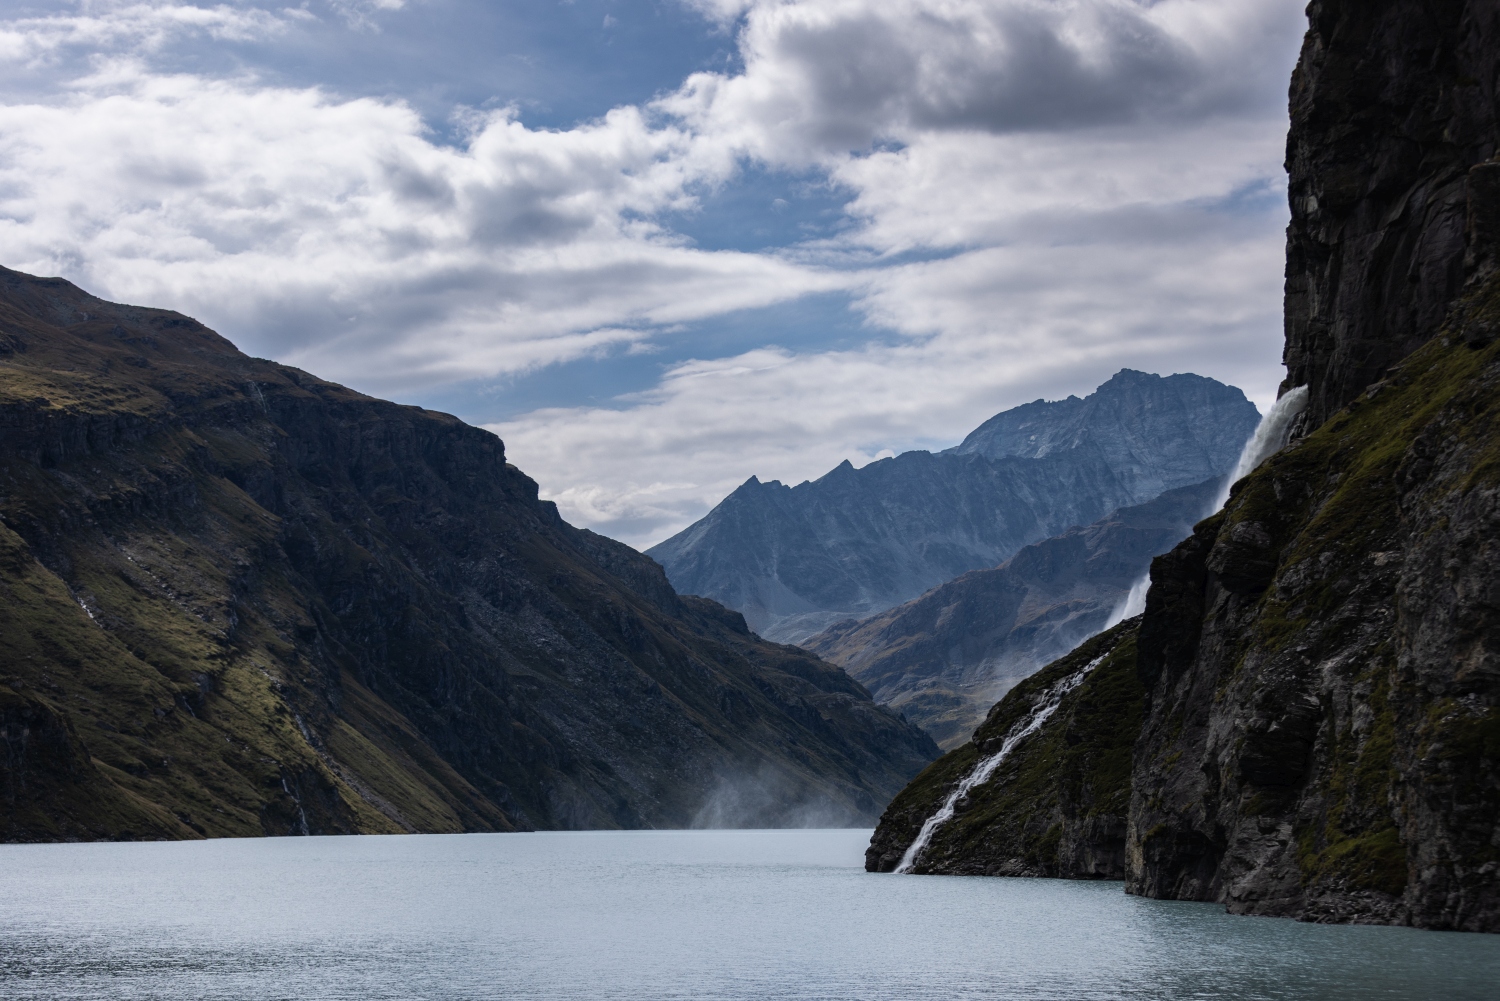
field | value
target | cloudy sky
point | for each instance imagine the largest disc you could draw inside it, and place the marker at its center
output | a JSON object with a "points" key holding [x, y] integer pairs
{"points": [[661, 245]]}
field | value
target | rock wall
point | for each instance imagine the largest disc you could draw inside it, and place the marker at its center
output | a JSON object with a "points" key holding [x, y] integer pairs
{"points": [[1323, 688], [1323, 667], [1392, 103], [1320, 661]]}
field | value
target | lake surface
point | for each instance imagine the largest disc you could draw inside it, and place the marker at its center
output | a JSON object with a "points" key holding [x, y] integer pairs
{"points": [[676, 914]]}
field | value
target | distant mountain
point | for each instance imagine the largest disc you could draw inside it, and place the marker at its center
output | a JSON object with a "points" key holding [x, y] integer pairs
{"points": [[945, 658], [856, 542], [238, 600]]}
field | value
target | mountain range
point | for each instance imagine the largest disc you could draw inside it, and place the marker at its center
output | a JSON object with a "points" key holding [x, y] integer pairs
{"points": [[855, 542], [236, 599]]}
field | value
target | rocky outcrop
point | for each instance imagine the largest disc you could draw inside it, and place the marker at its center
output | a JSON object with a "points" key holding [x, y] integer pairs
{"points": [[1056, 805], [945, 658], [236, 599], [1323, 662], [1393, 102], [1320, 661], [1321, 658], [795, 560]]}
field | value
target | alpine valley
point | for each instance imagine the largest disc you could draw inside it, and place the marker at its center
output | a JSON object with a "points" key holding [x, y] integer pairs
{"points": [[1305, 720], [238, 600]]}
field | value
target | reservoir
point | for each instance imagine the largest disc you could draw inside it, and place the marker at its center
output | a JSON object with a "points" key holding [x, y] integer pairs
{"points": [[659, 915]]}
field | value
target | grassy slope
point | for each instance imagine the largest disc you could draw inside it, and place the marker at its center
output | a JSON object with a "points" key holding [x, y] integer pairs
{"points": [[1363, 464], [1056, 806]]}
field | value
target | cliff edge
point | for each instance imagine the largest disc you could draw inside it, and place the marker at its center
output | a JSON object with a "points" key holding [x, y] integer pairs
{"points": [[1319, 731]]}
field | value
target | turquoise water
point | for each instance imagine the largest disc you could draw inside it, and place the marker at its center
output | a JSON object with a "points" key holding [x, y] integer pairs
{"points": [[677, 914]]}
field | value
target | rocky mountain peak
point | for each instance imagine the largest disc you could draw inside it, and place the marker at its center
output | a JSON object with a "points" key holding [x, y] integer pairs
{"points": [[855, 542]]}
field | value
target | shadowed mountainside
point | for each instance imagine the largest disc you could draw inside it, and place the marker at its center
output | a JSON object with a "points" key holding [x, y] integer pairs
{"points": [[236, 600], [943, 659], [795, 560]]}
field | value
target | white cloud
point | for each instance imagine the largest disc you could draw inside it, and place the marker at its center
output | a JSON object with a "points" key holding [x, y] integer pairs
{"points": [[823, 77], [141, 27], [1002, 326], [1102, 233], [1042, 191], [337, 235]]}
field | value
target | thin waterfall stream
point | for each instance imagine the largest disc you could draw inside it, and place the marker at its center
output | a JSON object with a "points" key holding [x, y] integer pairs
{"points": [[1269, 438], [985, 768]]}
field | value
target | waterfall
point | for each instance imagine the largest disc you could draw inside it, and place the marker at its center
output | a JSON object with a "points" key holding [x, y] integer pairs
{"points": [[982, 771], [1134, 603], [1269, 437]]}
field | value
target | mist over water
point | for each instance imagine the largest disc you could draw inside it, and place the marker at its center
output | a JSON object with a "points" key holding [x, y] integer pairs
{"points": [[660, 915]]}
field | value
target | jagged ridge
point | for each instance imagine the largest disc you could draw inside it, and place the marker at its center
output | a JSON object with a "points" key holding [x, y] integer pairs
{"points": [[855, 542]]}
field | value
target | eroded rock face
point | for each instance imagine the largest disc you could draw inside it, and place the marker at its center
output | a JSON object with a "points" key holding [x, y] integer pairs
{"points": [[855, 542], [1392, 103], [1323, 661], [236, 599], [1323, 691]]}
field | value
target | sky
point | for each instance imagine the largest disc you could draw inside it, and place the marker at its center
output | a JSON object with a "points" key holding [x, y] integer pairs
{"points": [[659, 246]]}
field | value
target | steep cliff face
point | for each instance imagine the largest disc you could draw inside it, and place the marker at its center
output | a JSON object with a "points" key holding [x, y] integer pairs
{"points": [[946, 657], [236, 599], [1323, 732], [1056, 804], [795, 560], [1320, 661], [1392, 103], [1323, 661]]}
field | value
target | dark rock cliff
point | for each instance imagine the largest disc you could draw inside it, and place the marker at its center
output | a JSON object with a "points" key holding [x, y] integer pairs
{"points": [[946, 657], [856, 542], [1320, 661], [1392, 103], [236, 599], [1323, 732]]}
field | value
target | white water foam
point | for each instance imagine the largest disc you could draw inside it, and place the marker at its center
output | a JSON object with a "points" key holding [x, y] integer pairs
{"points": [[1269, 438], [981, 772]]}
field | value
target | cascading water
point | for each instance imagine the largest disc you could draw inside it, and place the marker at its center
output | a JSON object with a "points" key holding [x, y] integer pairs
{"points": [[1269, 438], [982, 771], [1134, 603]]}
